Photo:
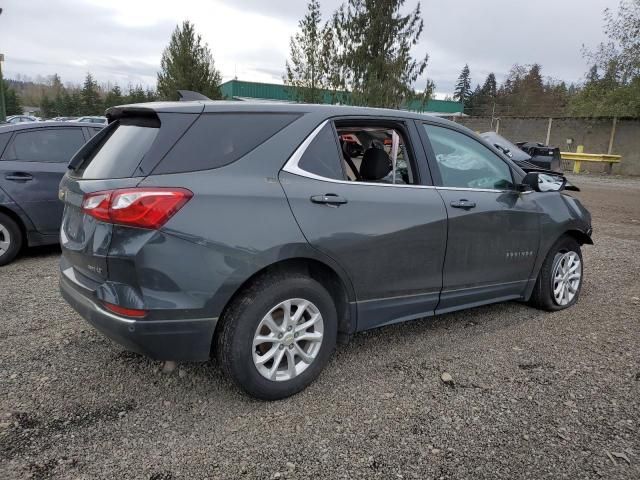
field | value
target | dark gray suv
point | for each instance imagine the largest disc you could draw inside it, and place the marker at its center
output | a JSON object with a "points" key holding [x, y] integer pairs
{"points": [[33, 159], [254, 231]]}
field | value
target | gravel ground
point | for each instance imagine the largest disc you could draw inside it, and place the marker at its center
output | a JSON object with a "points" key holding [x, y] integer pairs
{"points": [[533, 394]]}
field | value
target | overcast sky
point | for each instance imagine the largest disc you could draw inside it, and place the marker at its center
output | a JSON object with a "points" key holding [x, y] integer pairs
{"points": [[122, 40]]}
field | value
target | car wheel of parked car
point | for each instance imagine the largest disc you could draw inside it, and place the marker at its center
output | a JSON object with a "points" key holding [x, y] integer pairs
{"points": [[277, 335], [10, 239], [560, 279]]}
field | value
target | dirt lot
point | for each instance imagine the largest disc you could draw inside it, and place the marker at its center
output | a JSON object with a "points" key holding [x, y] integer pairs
{"points": [[535, 395]]}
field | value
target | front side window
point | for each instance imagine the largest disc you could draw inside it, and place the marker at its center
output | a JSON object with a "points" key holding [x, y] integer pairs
{"points": [[45, 145], [466, 163]]}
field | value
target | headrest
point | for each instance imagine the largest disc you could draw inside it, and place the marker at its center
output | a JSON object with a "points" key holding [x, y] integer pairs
{"points": [[375, 164]]}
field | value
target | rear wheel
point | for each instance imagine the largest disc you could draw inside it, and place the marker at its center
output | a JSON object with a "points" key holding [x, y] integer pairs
{"points": [[10, 239], [560, 279], [277, 336]]}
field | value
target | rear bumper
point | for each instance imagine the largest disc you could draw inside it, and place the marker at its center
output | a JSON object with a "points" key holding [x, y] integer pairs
{"points": [[180, 340]]}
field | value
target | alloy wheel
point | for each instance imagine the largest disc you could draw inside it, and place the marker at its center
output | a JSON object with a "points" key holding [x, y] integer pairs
{"points": [[288, 339], [566, 278], [5, 239]]}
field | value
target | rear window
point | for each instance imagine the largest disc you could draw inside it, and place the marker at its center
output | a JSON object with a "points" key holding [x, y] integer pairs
{"points": [[218, 139], [116, 151]]}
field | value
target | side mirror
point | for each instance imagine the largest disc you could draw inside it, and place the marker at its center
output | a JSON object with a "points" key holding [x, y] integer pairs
{"points": [[544, 182]]}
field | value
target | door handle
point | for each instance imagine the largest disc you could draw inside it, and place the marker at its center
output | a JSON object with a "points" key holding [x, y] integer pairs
{"points": [[463, 203], [329, 199], [18, 177]]}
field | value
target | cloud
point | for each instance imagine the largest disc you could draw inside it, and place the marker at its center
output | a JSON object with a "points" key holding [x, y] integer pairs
{"points": [[122, 40]]}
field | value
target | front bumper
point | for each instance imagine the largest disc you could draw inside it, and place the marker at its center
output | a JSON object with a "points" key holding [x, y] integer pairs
{"points": [[179, 340]]}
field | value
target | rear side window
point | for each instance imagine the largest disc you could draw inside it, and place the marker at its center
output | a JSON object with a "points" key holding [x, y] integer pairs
{"points": [[4, 139], [117, 150], [55, 145], [321, 157], [218, 139]]}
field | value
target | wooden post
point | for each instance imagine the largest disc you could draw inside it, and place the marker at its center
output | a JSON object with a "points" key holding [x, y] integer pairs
{"points": [[497, 125], [612, 138], [578, 163], [549, 131], [608, 167]]}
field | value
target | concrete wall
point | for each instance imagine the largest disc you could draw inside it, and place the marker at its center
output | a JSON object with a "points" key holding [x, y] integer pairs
{"points": [[593, 133]]}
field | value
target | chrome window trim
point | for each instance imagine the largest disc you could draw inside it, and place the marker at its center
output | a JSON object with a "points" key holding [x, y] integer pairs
{"points": [[292, 167]]}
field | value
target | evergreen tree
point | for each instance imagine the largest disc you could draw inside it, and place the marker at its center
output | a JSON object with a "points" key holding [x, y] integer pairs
{"points": [[12, 103], [376, 39], [151, 95], [75, 105], [462, 92], [58, 104], [91, 102], [187, 64], [490, 87], [136, 94], [305, 70], [113, 97], [46, 107], [56, 85], [476, 103], [67, 106]]}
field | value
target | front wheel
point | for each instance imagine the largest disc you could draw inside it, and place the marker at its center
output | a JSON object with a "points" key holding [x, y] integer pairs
{"points": [[560, 278], [277, 335], [10, 239]]}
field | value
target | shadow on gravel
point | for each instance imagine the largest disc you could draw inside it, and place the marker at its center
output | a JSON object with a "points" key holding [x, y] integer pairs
{"points": [[201, 378], [36, 252]]}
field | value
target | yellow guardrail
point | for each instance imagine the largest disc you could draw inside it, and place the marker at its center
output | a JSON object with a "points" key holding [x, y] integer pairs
{"points": [[579, 156]]}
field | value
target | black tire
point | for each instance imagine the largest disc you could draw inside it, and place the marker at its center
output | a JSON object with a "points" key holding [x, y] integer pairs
{"points": [[14, 236], [238, 326], [542, 296]]}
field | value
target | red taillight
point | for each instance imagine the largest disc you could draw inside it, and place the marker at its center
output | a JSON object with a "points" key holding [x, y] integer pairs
{"points": [[136, 207], [97, 205], [127, 312]]}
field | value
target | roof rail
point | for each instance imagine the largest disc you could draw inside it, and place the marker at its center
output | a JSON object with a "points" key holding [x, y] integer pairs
{"points": [[188, 96]]}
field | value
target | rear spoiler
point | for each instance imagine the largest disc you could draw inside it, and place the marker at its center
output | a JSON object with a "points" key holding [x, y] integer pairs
{"points": [[143, 117], [189, 96]]}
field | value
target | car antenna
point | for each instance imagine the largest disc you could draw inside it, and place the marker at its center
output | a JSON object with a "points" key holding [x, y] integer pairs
{"points": [[188, 96]]}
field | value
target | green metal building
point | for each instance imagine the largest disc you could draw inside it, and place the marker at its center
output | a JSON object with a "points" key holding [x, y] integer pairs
{"points": [[240, 90]]}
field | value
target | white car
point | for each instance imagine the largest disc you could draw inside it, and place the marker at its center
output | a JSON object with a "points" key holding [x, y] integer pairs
{"points": [[99, 120], [21, 119]]}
